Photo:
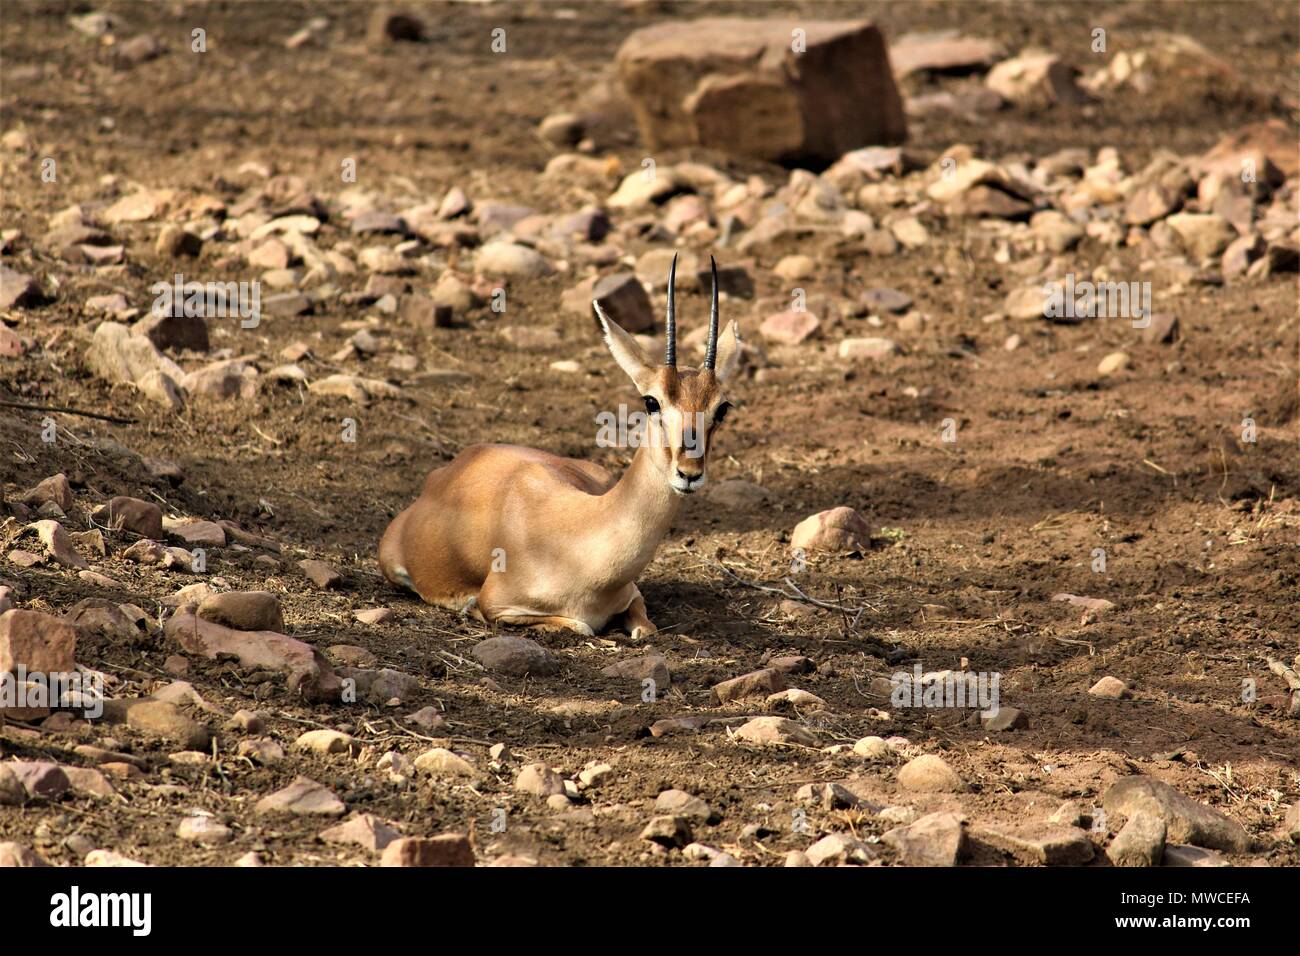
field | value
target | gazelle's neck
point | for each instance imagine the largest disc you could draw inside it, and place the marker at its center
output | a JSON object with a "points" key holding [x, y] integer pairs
{"points": [[633, 517]]}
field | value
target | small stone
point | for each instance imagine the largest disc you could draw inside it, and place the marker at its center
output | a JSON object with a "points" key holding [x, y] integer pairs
{"points": [[936, 839], [160, 718], [873, 748], [244, 610], [1045, 843], [646, 666], [1177, 854], [173, 241], [539, 780], [1110, 688], [363, 830], [886, 300], [794, 699], [562, 129], [427, 719], [594, 775], [1004, 719], [1113, 363], [321, 574], [1291, 823], [351, 655], [775, 731], [789, 328], [18, 290], [516, 656], [205, 830], [840, 530], [1093, 605], [374, 615], [623, 299], [1162, 329], [909, 232], [929, 773], [15, 854], [795, 268], [261, 750], [839, 848], [682, 804], [131, 514], [440, 762], [667, 831], [511, 259], [303, 797], [327, 742], [246, 722], [1141, 842], [88, 782], [828, 796], [447, 849], [36, 780], [869, 348], [58, 544], [55, 488], [1203, 234], [754, 684]]}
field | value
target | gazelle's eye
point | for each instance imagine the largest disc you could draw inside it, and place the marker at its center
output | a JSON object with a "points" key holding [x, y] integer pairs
{"points": [[651, 404], [721, 413]]}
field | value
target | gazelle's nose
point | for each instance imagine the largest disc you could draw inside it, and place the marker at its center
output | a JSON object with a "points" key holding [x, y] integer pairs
{"points": [[690, 476]]}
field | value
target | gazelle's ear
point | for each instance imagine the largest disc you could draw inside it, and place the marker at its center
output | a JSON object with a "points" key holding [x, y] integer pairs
{"points": [[729, 349], [631, 358]]}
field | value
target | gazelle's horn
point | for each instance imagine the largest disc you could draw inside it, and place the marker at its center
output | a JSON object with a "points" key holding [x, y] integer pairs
{"points": [[670, 326], [711, 355]]}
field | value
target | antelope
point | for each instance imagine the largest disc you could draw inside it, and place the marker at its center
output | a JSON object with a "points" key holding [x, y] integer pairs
{"points": [[521, 536]]}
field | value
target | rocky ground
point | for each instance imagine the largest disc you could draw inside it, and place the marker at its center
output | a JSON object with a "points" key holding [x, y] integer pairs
{"points": [[926, 471]]}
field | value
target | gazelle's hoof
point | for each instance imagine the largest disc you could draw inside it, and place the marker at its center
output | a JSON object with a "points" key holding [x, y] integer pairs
{"points": [[469, 607], [643, 631]]}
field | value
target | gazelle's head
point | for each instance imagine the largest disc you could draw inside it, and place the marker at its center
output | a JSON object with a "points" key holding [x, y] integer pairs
{"points": [[684, 406]]}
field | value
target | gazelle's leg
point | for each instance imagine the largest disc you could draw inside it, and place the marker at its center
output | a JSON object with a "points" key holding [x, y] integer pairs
{"points": [[505, 613], [638, 624], [543, 620]]}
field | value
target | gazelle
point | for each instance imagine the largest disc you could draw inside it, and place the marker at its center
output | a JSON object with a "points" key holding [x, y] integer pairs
{"points": [[523, 536]]}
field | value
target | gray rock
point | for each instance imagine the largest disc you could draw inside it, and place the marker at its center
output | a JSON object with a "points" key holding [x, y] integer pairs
{"points": [[1186, 820], [668, 831], [929, 774], [624, 300], [682, 804], [516, 656], [936, 839], [1045, 843], [1141, 842]]}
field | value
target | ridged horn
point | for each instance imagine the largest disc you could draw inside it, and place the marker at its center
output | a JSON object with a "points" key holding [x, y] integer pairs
{"points": [[711, 355], [670, 326]]}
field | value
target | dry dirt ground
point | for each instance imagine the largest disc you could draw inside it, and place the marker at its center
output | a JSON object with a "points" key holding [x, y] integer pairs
{"points": [[972, 538]]}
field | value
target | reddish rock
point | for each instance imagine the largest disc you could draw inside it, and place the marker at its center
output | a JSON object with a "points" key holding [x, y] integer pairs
{"points": [[737, 85], [839, 529], [131, 514], [447, 849], [306, 671], [38, 643], [789, 328], [321, 574], [754, 684]]}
